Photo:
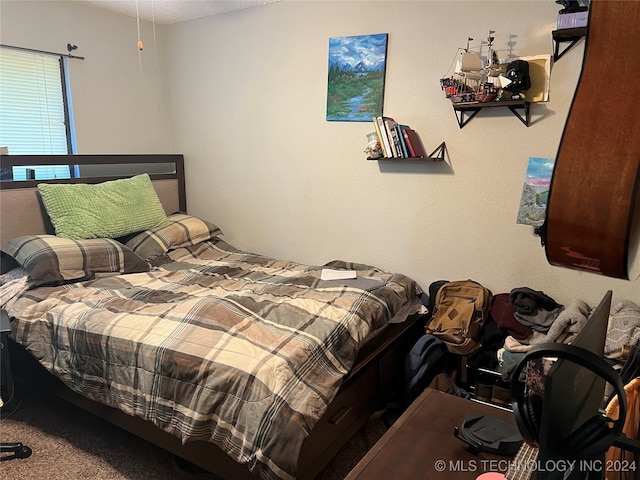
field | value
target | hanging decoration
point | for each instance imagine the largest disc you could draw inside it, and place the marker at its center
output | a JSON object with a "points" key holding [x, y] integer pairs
{"points": [[140, 44]]}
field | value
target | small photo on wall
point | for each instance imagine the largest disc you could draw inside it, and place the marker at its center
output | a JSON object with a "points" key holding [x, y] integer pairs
{"points": [[535, 193], [357, 66]]}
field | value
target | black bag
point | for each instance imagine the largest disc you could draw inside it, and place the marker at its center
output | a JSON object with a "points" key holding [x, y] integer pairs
{"points": [[425, 360]]}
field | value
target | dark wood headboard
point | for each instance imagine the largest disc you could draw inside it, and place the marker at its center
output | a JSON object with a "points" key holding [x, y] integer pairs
{"points": [[21, 211]]}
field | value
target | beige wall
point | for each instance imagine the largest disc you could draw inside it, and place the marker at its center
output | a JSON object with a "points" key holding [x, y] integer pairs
{"points": [[118, 106], [247, 94], [248, 103]]}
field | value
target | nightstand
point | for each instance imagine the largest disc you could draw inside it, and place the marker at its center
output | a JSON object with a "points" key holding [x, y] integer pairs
{"points": [[421, 443]]}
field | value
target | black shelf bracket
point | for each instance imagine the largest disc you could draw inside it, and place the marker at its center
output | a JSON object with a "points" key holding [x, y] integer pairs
{"points": [[527, 115], [439, 153], [465, 111], [460, 116], [566, 35]]}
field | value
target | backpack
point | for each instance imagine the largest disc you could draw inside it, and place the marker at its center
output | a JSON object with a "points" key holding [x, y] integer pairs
{"points": [[460, 311], [425, 360]]}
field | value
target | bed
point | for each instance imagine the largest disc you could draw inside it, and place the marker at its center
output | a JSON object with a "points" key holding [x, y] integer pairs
{"points": [[244, 365]]}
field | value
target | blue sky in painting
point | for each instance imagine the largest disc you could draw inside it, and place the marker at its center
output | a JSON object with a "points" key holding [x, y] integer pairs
{"points": [[539, 172], [365, 50]]}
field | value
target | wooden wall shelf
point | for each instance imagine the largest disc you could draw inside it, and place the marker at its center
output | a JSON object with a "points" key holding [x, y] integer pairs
{"points": [[566, 35], [465, 111], [438, 155]]}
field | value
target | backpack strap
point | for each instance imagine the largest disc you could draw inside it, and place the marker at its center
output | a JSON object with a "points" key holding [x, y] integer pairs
{"points": [[422, 363]]}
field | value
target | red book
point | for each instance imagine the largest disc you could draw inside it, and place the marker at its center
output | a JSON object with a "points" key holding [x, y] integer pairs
{"points": [[414, 145]]}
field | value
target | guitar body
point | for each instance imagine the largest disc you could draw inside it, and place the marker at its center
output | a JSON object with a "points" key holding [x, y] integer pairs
{"points": [[591, 222]]}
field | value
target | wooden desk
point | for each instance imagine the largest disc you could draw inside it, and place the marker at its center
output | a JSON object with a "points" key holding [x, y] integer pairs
{"points": [[418, 443]]}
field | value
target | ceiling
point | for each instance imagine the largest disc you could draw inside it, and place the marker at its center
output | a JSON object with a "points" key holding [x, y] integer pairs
{"points": [[172, 11]]}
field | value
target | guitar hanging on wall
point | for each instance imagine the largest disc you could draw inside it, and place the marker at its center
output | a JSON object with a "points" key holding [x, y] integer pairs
{"points": [[593, 211]]}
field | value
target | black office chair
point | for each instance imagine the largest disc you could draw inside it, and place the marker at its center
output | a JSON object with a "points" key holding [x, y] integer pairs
{"points": [[7, 391]]}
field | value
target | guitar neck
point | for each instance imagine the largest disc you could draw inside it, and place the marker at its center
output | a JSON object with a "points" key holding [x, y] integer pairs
{"points": [[523, 465]]}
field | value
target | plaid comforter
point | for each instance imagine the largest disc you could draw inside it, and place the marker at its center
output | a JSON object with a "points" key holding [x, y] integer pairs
{"points": [[218, 345]]}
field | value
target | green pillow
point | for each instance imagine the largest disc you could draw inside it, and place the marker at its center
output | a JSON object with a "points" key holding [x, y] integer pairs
{"points": [[104, 210]]}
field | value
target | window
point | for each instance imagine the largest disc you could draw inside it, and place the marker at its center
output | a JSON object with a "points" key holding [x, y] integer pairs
{"points": [[35, 116]]}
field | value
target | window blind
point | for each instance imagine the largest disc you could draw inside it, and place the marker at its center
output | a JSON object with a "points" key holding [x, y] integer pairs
{"points": [[32, 109]]}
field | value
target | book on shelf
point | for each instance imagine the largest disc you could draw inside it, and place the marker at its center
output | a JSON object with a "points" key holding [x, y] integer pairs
{"points": [[405, 135], [384, 137], [377, 126], [397, 140], [414, 145], [403, 143], [390, 124]]}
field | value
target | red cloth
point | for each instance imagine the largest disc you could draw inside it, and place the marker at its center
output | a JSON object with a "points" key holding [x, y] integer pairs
{"points": [[502, 312]]}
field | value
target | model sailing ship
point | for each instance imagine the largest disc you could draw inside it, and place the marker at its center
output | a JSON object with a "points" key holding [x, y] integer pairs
{"points": [[473, 79]]}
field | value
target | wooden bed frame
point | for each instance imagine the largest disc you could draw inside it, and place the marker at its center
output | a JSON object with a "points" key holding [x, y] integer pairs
{"points": [[377, 374]]}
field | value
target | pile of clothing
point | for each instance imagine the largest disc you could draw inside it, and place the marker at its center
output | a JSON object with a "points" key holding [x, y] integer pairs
{"points": [[530, 317], [624, 327]]}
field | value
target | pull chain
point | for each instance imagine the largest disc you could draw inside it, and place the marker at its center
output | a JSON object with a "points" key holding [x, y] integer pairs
{"points": [[140, 44]]}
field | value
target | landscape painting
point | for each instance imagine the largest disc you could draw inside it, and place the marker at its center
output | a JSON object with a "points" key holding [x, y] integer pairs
{"points": [[535, 193], [357, 66]]}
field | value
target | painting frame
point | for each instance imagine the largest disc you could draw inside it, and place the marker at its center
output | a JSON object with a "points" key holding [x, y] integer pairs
{"points": [[356, 77]]}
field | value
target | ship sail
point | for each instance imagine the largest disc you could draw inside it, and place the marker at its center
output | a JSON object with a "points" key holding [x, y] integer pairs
{"points": [[470, 65]]}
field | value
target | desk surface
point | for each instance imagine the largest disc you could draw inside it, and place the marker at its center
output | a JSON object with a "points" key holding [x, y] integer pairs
{"points": [[421, 444]]}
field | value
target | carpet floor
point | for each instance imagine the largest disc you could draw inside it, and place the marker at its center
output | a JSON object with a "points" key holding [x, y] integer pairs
{"points": [[69, 443]]}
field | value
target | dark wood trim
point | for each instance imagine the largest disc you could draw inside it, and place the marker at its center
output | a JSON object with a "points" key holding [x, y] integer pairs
{"points": [[101, 159]]}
